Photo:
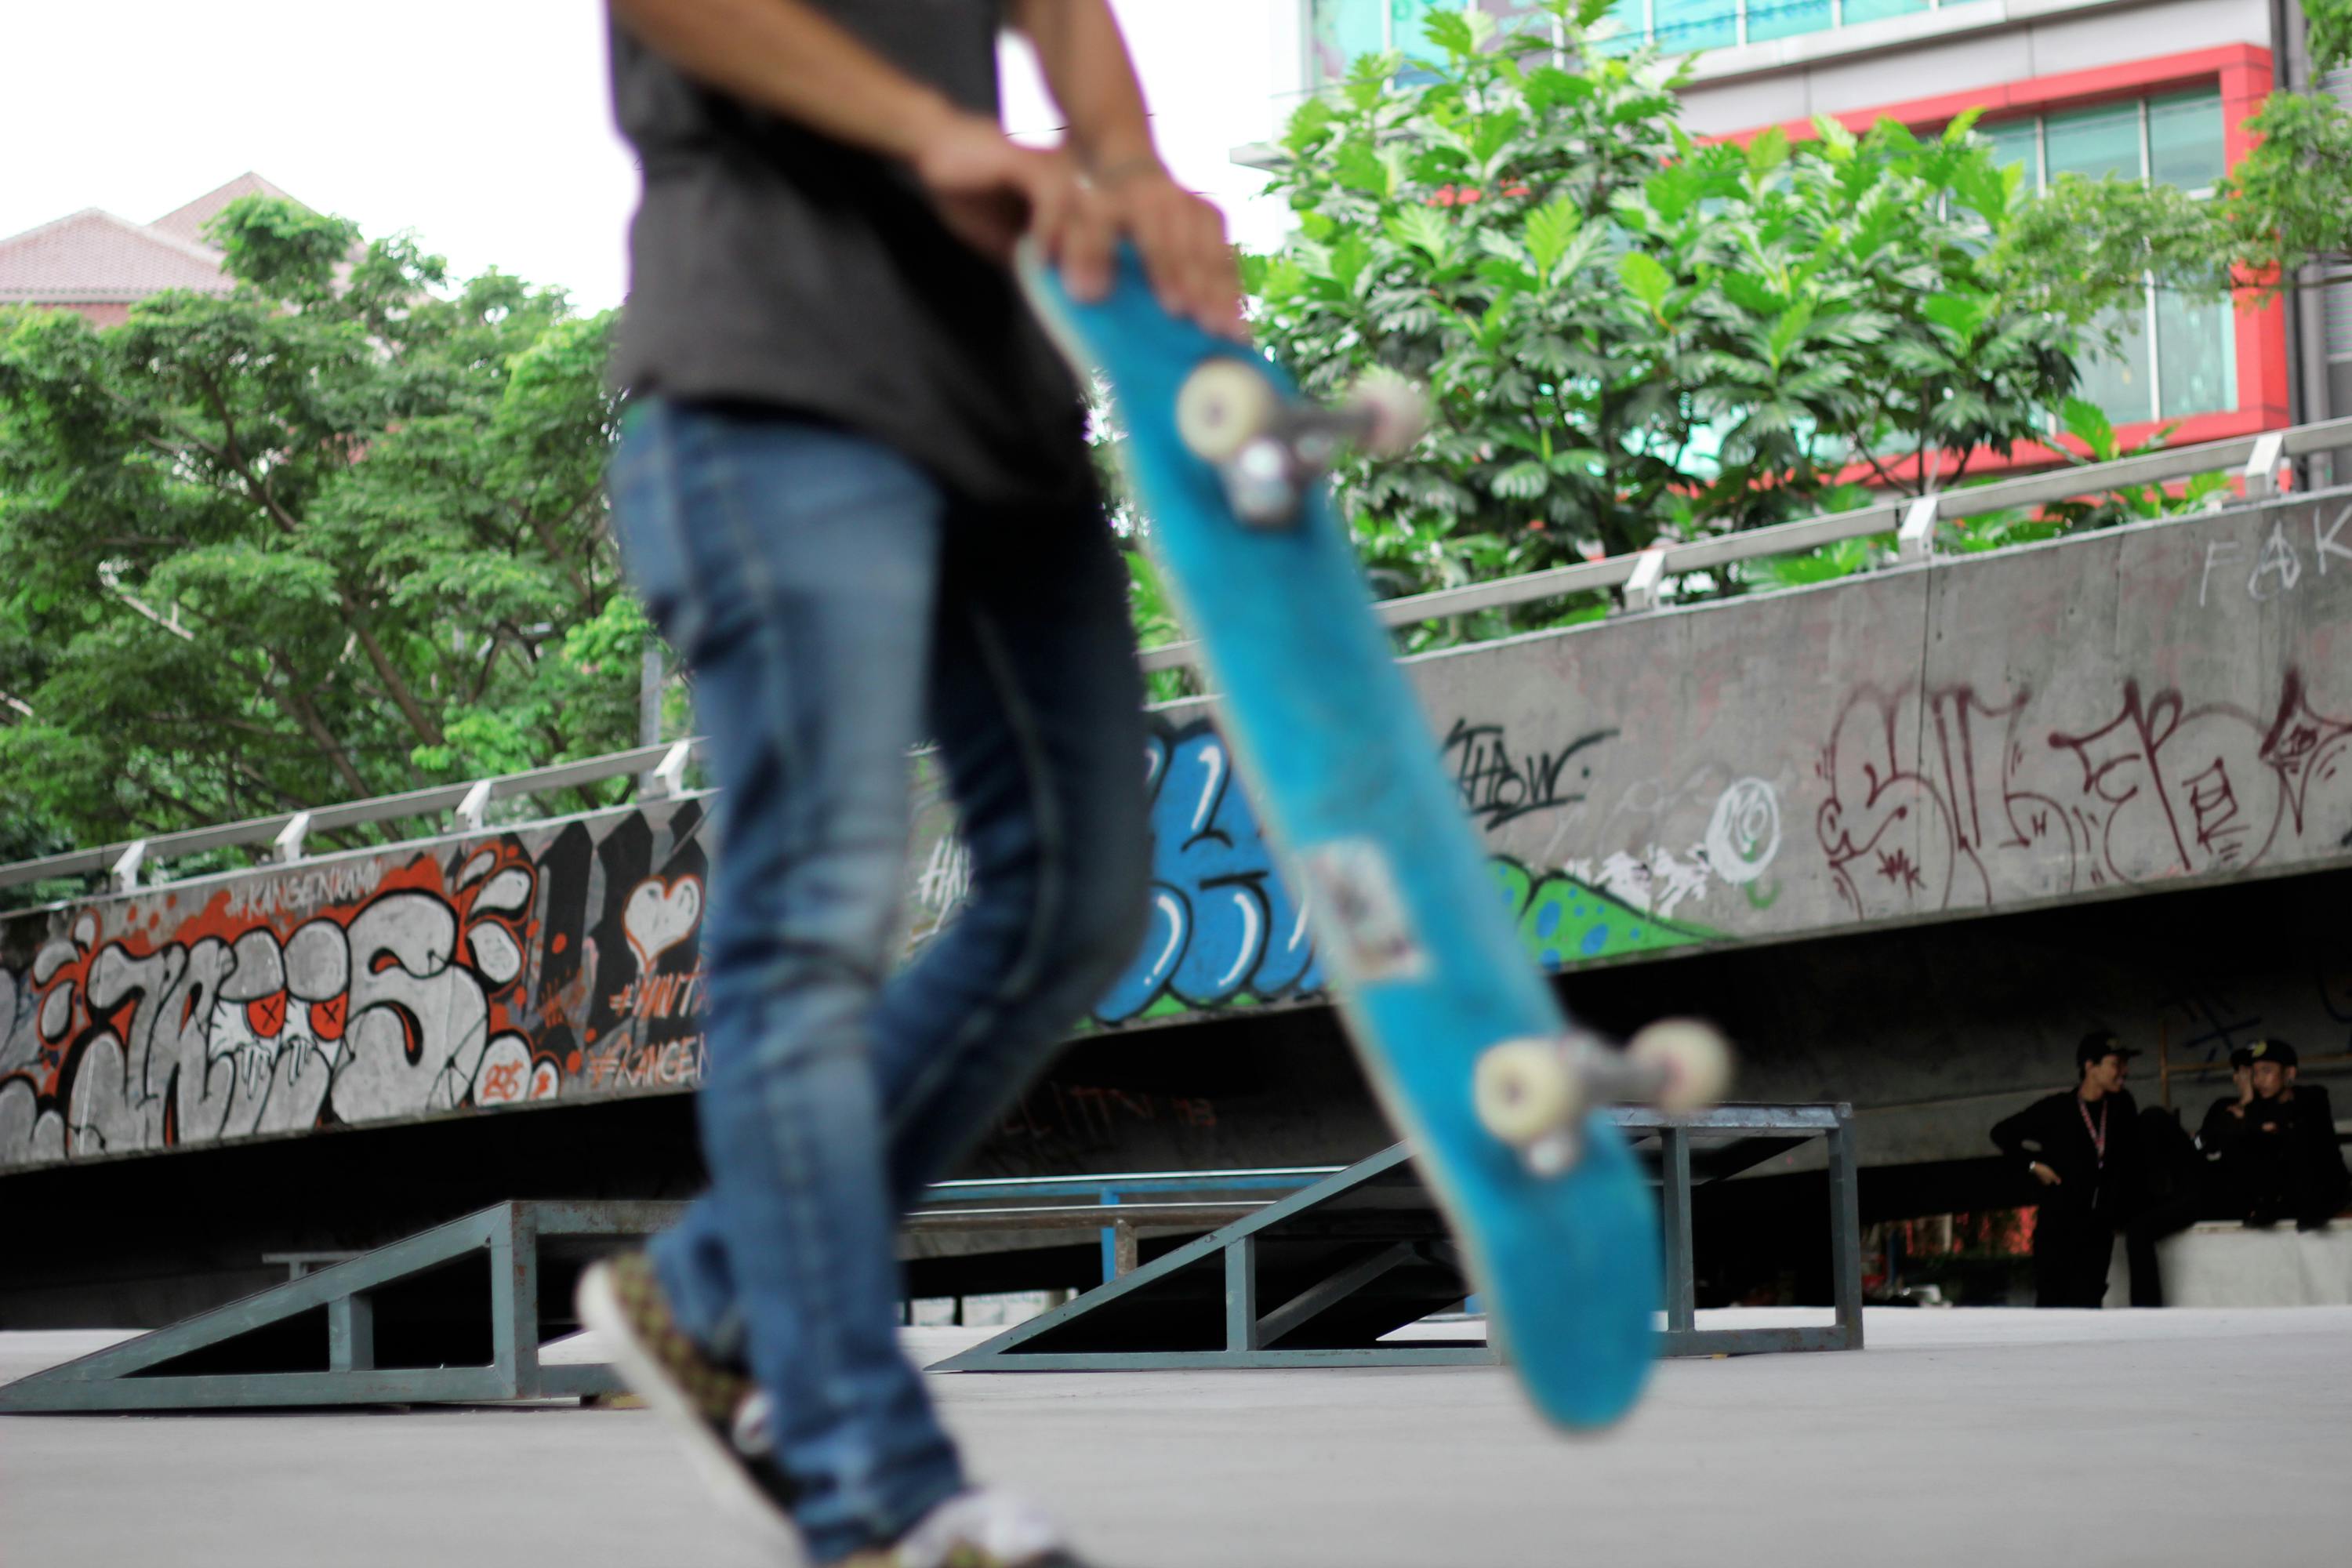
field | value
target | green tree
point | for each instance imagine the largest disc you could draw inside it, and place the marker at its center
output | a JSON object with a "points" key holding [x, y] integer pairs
{"points": [[1627, 333], [337, 534], [2282, 219]]}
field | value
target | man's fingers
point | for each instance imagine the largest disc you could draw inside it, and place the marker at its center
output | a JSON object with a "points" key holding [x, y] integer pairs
{"points": [[1049, 205], [1147, 221], [1088, 237], [1185, 257], [1211, 286], [1224, 303]]}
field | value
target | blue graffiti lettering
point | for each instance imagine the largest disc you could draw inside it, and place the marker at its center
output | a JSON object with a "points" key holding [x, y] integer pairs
{"points": [[1222, 924]]}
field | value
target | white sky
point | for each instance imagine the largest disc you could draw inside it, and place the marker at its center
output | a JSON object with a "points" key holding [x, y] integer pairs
{"points": [[481, 124]]}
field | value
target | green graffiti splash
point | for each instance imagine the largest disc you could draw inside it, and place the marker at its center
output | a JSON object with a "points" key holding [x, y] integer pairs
{"points": [[1564, 921]]}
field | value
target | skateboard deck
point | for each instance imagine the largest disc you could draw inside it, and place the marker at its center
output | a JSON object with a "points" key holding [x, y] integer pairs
{"points": [[1344, 770]]}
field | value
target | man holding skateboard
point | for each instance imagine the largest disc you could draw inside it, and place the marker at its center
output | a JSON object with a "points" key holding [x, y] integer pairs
{"points": [[854, 490]]}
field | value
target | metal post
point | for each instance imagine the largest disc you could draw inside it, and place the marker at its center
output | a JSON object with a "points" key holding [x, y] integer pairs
{"points": [[1674, 1202], [1241, 1294], [1641, 587], [1845, 1228], [668, 777], [124, 876], [474, 810], [1109, 1238], [351, 1332], [514, 1301], [2260, 473], [1916, 540], [287, 848], [649, 698]]}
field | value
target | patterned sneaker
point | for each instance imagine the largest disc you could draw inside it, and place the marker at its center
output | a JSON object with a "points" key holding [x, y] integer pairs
{"points": [[973, 1529], [720, 1412]]}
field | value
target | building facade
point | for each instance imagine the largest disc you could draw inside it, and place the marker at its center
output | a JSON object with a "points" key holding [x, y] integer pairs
{"points": [[2158, 90]]}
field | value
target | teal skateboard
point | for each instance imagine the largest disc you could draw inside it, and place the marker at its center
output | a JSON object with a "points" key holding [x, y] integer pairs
{"points": [[1470, 1055]]}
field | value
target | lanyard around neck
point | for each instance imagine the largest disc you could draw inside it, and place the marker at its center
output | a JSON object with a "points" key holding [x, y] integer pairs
{"points": [[2098, 1133]]}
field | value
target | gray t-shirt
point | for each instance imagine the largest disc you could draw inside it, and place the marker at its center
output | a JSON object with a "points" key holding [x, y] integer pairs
{"points": [[773, 266]]}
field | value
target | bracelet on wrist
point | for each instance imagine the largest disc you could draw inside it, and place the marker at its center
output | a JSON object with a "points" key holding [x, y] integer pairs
{"points": [[1123, 169]]}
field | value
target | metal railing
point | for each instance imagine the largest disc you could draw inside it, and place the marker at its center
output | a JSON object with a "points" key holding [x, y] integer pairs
{"points": [[664, 767], [1639, 576]]}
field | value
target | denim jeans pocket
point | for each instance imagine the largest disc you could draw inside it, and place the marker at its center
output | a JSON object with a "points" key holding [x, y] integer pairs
{"points": [[650, 524]]}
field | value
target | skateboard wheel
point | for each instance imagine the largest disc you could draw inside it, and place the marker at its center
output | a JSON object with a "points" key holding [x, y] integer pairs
{"points": [[1691, 1060], [1223, 406], [1524, 1090], [1395, 415]]}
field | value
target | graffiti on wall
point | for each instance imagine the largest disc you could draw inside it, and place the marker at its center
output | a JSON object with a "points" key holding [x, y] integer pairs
{"points": [[1225, 930], [1650, 793], [496, 972], [1944, 797], [2276, 564]]}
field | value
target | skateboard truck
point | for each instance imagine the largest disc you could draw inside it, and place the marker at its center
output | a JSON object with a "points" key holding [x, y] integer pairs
{"points": [[1268, 450], [1533, 1093]]}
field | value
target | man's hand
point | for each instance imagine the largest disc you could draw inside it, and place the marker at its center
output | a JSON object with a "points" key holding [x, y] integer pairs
{"points": [[1182, 237], [2045, 1175], [2244, 1079], [990, 191], [1182, 240]]}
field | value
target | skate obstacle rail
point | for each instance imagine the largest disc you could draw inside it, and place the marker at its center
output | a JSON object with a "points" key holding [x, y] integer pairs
{"points": [[1639, 577], [454, 1315], [462, 1313], [1323, 1277]]}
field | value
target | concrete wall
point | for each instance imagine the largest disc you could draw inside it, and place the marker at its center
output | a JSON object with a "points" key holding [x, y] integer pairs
{"points": [[2143, 708], [2163, 707]]}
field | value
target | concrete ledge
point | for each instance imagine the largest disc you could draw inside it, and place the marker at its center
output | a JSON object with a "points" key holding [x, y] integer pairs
{"points": [[2223, 1265]]}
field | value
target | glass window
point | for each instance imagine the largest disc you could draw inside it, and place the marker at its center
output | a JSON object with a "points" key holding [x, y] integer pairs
{"points": [[1341, 30], [2095, 141], [1871, 10], [1520, 20], [1786, 18], [1684, 25], [2196, 360], [2185, 139], [2017, 142], [1621, 31], [2118, 382], [1405, 17]]}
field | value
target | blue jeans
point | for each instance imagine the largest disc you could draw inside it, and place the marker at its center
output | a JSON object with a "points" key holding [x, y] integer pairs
{"points": [[836, 607]]}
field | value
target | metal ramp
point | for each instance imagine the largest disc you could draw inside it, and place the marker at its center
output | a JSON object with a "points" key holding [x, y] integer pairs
{"points": [[1321, 1277], [460, 1313], [457, 1314]]}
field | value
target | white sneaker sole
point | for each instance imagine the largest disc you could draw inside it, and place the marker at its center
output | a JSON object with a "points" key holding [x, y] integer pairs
{"points": [[600, 1308]]}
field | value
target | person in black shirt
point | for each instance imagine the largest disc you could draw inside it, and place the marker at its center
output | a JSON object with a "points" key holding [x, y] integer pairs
{"points": [[2274, 1142], [854, 489], [2082, 1146]]}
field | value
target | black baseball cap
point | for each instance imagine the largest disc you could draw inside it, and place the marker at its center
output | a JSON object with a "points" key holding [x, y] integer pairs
{"points": [[2277, 1051], [2100, 1044]]}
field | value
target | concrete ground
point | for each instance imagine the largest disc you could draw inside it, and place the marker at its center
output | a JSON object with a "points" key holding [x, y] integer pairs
{"points": [[1963, 1438]]}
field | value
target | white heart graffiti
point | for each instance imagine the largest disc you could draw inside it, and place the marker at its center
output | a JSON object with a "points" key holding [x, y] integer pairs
{"points": [[659, 915]]}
